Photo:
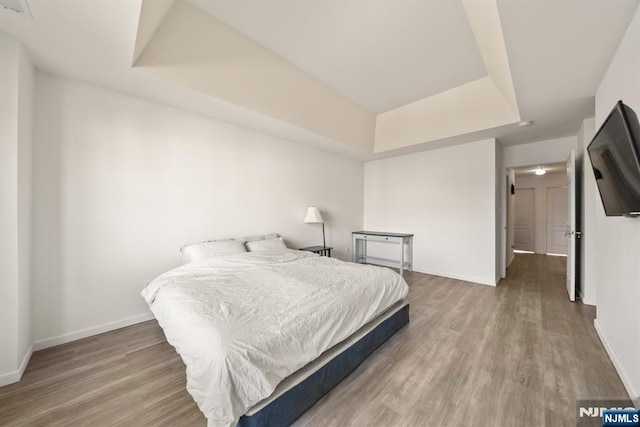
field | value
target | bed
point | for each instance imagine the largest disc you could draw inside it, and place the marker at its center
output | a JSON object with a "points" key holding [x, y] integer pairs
{"points": [[265, 335]]}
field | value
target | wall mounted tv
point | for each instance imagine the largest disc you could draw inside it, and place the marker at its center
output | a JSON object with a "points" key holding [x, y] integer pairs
{"points": [[615, 157]]}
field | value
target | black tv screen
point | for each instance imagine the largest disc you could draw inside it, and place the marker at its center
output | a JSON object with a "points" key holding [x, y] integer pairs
{"points": [[614, 153]]}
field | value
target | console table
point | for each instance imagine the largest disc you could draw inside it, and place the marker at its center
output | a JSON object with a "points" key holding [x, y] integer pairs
{"points": [[400, 239]]}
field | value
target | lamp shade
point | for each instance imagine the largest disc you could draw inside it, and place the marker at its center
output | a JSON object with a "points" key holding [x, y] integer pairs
{"points": [[313, 216]]}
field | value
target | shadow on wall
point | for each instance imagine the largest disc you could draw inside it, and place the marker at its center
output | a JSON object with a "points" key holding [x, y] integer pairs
{"points": [[48, 227]]}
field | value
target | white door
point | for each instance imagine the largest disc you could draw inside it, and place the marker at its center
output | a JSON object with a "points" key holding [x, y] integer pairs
{"points": [[571, 226], [524, 221], [557, 213]]}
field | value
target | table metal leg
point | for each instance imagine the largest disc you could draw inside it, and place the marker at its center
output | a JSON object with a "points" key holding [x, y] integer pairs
{"points": [[364, 251], [354, 249], [411, 253], [402, 258]]}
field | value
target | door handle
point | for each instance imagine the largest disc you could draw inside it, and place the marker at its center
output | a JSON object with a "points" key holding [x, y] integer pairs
{"points": [[569, 233]]}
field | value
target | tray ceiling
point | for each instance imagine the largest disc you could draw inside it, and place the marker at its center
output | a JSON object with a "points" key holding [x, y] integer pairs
{"points": [[381, 54]]}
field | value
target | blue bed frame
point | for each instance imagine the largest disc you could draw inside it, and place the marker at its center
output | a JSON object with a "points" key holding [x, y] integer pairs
{"points": [[293, 403]]}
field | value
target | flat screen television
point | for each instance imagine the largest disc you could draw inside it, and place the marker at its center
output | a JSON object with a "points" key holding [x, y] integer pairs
{"points": [[615, 157]]}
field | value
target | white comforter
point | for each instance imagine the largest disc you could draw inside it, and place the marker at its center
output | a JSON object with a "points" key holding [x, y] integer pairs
{"points": [[243, 323]]}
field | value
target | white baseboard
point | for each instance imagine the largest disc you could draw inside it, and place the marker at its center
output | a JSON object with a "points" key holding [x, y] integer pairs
{"points": [[15, 376], [25, 360], [633, 394], [586, 300], [84, 333], [480, 280]]}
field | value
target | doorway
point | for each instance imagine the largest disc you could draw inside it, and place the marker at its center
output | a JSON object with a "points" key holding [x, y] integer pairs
{"points": [[524, 219], [543, 218], [557, 217], [541, 209]]}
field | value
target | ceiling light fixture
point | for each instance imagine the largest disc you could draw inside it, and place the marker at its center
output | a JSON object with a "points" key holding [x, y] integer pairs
{"points": [[525, 123], [540, 171]]}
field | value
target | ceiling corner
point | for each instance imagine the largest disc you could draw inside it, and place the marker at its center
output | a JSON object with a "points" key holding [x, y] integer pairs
{"points": [[152, 14], [486, 26]]}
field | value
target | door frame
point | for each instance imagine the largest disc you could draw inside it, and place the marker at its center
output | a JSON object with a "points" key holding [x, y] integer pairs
{"points": [[507, 209], [546, 216], [573, 260], [503, 202], [534, 225]]}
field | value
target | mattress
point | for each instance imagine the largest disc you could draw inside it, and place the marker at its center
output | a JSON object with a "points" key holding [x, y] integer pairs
{"points": [[326, 357], [243, 323]]}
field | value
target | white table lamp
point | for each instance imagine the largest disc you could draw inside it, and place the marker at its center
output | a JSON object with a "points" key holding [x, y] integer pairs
{"points": [[314, 217]]}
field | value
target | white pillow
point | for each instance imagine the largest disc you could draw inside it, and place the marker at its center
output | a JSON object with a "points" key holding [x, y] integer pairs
{"points": [[266, 245], [213, 248], [260, 237]]}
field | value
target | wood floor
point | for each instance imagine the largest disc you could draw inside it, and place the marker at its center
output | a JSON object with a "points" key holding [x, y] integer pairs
{"points": [[516, 355]]}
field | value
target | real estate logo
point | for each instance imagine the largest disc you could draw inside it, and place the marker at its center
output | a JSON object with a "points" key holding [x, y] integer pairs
{"points": [[607, 413], [621, 417]]}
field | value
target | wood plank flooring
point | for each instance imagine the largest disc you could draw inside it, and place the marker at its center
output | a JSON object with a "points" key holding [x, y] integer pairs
{"points": [[519, 354]]}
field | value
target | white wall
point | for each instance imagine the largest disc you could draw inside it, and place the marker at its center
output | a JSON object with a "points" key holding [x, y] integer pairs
{"points": [[8, 205], [16, 83], [540, 185], [446, 197], [549, 151], [25, 130], [618, 249], [121, 183], [590, 196]]}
